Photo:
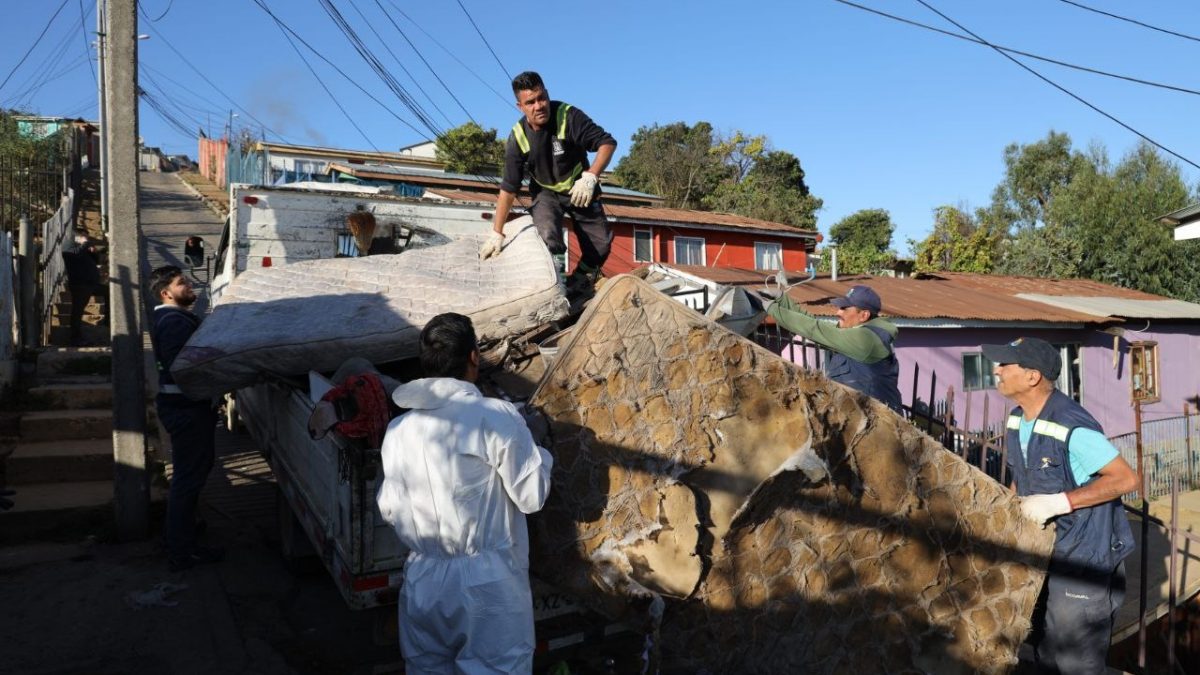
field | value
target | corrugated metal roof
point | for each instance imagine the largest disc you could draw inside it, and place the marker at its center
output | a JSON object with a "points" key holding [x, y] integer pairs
{"points": [[1184, 215], [1122, 307], [1014, 285], [666, 217]]}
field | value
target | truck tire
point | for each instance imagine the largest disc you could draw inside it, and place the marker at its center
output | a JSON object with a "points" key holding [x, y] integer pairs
{"points": [[293, 542]]}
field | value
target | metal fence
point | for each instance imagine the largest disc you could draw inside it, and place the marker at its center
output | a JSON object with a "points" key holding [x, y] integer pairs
{"points": [[9, 335], [1170, 449], [57, 233], [30, 189], [245, 167]]}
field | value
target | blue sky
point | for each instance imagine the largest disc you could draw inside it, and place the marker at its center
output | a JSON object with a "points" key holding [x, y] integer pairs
{"points": [[881, 114]]}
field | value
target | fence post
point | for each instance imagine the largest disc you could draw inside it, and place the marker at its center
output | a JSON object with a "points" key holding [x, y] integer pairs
{"points": [[1187, 442], [1171, 575], [28, 261]]}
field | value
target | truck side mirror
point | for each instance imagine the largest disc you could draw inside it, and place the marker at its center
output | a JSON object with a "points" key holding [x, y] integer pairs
{"points": [[193, 251]]}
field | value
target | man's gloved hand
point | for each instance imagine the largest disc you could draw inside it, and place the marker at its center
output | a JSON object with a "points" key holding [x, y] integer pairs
{"points": [[584, 188], [539, 426], [781, 280], [1041, 508], [492, 246]]}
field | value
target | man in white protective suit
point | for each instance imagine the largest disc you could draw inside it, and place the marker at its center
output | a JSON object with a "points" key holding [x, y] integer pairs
{"points": [[460, 472]]}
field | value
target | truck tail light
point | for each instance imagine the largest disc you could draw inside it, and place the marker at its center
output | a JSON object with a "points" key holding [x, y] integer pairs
{"points": [[250, 200], [266, 261]]}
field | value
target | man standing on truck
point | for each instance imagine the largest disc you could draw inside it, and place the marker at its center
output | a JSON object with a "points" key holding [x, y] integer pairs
{"points": [[1066, 472], [550, 143], [460, 472], [191, 424], [863, 356]]}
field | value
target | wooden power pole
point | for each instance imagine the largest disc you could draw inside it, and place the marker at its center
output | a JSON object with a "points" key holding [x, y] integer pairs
{"points": [[130, 482]]}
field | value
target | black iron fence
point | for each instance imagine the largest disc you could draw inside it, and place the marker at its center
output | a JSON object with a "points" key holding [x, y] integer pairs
{"points": [[31, 188]]}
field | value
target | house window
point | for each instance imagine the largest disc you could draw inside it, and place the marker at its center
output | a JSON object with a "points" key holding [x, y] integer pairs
{"points": [[689, 251], [768, 256], [1143, 370], [643, 246], [977, 372]]}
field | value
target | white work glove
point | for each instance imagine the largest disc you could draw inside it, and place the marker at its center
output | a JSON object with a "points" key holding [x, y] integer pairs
{"points": [[1041, 508], [492, 246], [584, 188]]}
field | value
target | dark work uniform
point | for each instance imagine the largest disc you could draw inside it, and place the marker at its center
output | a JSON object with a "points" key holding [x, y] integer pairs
{"points": [[1085, 583], [191, 424], [83, 280], [879, 379], [554, 157]]}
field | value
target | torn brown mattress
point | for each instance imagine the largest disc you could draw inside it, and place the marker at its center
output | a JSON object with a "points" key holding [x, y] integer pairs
{"points": [[315, 314], [778, 521]]}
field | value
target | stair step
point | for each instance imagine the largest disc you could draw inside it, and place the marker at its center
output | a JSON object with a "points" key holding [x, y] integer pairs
{"points": [[74, 379], [60, 461], [72, 396], [44, 510], [51, 425], [89, 334], [74, 361]]}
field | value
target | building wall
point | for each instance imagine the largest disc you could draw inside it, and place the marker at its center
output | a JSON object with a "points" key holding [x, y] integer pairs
{"points": [[721, 248], [1105, 388]]}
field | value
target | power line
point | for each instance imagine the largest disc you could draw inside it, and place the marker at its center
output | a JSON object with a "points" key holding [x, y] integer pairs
{"points": [[34, 45], [1010, 50], [485, 41], [502, 97], [1064, 90], [211, 84], [326, 88], [262, 5], [42, 74], [86, 47], [1133, 21], [160, 16], [399, 62]]}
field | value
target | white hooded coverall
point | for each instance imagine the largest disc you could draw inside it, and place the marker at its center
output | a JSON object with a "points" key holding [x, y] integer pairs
{"points": [[460, 471]]}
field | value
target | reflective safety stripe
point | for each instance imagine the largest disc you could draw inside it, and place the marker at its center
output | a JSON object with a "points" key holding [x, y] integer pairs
{"points": [[560, 122], [1014, 421], [1051, 429]]}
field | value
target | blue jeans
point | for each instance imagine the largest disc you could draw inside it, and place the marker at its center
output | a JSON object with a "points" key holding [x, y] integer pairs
{"points": [[192, 426]]}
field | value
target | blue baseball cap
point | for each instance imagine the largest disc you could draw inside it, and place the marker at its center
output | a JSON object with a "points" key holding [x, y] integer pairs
{"points": [[862, 297]]}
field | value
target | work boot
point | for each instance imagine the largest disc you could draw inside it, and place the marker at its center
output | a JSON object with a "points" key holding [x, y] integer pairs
{"points": [[200, 555]]}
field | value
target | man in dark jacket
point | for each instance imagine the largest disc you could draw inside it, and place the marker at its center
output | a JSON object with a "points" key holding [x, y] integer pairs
{"points": [[863, 357], [83, 281], [191, 424], [1066, 472], [551, 143]]}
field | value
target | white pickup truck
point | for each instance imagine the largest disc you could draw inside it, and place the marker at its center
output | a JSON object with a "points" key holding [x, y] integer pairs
{"points": [[327, 487]]}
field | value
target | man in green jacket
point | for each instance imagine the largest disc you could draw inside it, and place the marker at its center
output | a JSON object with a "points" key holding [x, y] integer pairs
{"points": [[863, 356]]}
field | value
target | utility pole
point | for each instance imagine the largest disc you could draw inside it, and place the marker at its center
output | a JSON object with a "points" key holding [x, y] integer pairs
{"points": [[130, 480], [101, 33]]}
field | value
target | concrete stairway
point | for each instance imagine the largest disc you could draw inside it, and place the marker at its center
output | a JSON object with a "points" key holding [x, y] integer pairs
{"points": [[95, 331], [62, 465]]}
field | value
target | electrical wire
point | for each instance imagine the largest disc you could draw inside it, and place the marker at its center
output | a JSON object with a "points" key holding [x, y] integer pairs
{"points": [[212, 84], [326, 88], [35, 44], [179, 108], [485, 40], [1064, 90], [86, 47], [504, 99], [1133, 21], [160, 16], [43, 73], [399, 62], [1065, 64]]}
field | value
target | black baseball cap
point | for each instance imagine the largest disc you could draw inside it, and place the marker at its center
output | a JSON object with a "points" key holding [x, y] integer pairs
{"points": [[862, 297], [1029, 353]]}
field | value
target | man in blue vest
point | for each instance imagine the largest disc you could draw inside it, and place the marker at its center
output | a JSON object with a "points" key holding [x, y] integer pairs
{"points": [[551, 143], [1068, 473], [863, 357]]}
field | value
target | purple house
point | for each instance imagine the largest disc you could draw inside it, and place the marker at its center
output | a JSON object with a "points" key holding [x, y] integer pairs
{"points": [[1118, 345]]}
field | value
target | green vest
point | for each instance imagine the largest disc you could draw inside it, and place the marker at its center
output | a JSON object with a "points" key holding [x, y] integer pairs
{"points": [[560, 122]]}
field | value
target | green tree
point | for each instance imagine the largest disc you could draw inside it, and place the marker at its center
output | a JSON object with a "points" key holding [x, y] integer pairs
{"points": [[1034, 174], [675, 161], [17, 148], [765, 184], [469, 148], [863, 240], [959, 242]]}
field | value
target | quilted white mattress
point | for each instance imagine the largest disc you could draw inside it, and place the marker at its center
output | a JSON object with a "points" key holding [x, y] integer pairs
{"points": [[313, 315]]}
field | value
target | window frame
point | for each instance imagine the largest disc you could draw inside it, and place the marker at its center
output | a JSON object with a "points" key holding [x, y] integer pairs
{"points": [[988, 378], [1152, 394], [648, 232], [703, 252], [777, 245]]}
